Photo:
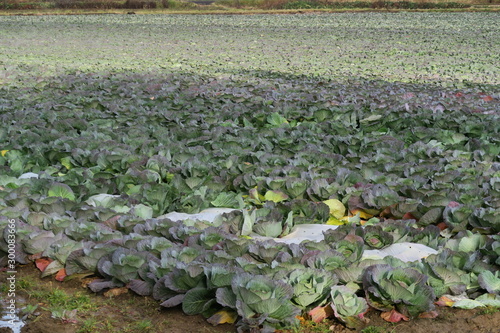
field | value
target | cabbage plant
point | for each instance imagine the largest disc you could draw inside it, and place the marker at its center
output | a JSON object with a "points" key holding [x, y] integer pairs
{"points": [[310, 286], [348, 307], [402, 289], [262, 303]]}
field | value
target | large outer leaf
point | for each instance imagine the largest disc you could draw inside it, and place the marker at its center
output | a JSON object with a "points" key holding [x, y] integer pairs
{"points": [[62, 191], [490, 281], [196, 299]]}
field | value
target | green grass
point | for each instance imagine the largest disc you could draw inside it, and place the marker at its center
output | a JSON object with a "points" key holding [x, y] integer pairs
{"points": [[26, 283], [21, 284], [373, 329], [59, 299], [142, 326], [488, 310], [88, 326]]}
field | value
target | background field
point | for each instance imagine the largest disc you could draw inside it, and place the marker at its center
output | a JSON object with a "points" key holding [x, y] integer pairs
{"points": [[221, 6]]}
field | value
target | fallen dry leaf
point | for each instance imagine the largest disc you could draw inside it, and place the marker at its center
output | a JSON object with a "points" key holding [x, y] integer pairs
{"points": [[320, 313], [87, 281], [393, 316], [61, 274], [223, 317], [116, 292], [444, 301], [42, 263], [429, 314]]}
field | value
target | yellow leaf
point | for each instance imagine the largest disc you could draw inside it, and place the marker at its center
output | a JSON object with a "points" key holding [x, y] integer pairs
{"points": [[444, 301], [362, 214], [223, 317], [337, 208], [66, 162], [334, 221], [275, 196], [3, 152]]}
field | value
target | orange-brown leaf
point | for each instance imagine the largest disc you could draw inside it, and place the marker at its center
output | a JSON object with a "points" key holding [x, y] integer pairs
{"points": [[320, 313], [429, 314], [61, 274], [442, 226], [409, 216], [393, 316], [42, 263], [444, 301]]}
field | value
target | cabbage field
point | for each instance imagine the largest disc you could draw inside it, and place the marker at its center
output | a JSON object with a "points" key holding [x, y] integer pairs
{"points": [[376, 131]]}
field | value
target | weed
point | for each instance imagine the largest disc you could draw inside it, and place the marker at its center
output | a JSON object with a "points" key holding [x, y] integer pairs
{"points": [[144, 326], [64, 315], [88, 326], [311, 327], [59, 298], [26, 284], [373, 329], [57, 301], [29, 310], [488, 310]]}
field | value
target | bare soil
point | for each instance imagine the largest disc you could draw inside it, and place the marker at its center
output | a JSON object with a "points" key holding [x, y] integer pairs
{"points": [[122, 313]]}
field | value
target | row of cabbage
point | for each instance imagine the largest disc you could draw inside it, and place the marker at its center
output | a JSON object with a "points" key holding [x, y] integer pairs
{"points": [[210, 268]]}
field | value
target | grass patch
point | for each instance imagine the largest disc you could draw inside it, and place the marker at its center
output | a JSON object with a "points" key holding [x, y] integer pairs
{"points": [[142, 326], [59, 299], [373, 329], [488, 310], [88, 326]]}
